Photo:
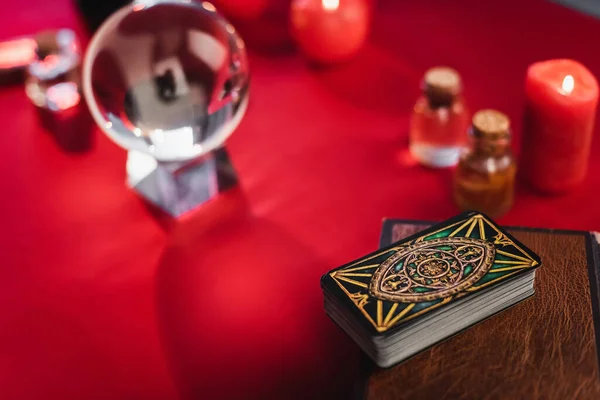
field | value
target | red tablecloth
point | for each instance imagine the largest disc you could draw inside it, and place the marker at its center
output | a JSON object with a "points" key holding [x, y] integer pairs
{"points": [[99, 299]]}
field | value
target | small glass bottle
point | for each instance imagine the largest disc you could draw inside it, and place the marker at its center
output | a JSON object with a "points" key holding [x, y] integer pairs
{"points": [[440, 119], [52, 80], [485, 176]]}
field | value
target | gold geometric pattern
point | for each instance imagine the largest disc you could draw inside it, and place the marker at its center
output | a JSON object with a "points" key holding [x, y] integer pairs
{"points": [[445, 266]]}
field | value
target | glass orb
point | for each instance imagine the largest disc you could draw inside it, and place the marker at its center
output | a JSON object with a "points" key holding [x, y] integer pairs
{"points": [[168, 78]]}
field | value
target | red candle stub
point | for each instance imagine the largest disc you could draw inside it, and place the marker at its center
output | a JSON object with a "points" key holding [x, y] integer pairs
{"points": [[562, 96], [330, 30]]}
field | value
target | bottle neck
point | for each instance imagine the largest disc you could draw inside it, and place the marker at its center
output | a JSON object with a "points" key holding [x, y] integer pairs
{"points": [[439, 100], [486, 147]]}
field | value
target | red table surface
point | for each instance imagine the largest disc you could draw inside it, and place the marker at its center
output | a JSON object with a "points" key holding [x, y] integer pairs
{"points": [[101, 300]]}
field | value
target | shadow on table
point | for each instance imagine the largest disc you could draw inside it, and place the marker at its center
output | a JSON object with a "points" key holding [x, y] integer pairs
{"points": [[240, 311], [71, 129]]}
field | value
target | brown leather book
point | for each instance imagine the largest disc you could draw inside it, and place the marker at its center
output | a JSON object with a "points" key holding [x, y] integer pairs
{"points": [[543, 348]]}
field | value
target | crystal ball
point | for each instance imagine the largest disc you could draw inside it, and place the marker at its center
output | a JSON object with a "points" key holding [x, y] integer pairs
{"points": [[168, 78]]}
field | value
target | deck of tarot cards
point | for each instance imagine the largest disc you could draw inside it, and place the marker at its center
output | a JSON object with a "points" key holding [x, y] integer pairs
{"points": [[423, 289]]}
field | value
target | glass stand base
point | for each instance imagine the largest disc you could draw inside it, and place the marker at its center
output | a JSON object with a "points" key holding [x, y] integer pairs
{"points": [[436, 156], [179, 187]]}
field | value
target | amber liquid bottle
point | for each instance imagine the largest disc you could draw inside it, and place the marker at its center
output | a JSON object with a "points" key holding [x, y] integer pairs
{"points": [[485, 175], [438, 127]]}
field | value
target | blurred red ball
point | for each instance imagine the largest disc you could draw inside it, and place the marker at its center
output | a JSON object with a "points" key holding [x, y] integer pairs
{"points": [[329, 31], [243, 10]]}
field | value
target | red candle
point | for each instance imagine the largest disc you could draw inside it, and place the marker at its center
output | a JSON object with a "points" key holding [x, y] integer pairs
{"points": [[330, 30], [562, 96]]}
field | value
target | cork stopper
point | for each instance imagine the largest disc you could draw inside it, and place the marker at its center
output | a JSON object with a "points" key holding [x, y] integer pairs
{"points": [[441, 85], [491, 124]]}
